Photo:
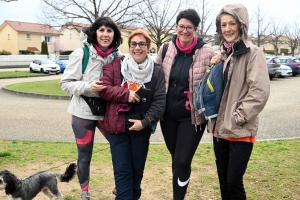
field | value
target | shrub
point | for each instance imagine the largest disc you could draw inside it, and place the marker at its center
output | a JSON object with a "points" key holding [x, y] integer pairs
{"points": [[269, 51], [66, 53], [25, 52], [44, 48], [5, 52], [285, 51]]}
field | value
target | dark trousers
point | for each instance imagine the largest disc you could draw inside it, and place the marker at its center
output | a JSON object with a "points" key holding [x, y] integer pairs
{"points": [[129, 151], [182, 141], [232, 159]]}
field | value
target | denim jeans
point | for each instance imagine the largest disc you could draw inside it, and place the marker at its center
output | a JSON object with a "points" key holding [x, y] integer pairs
{"points": [[129, 151]]}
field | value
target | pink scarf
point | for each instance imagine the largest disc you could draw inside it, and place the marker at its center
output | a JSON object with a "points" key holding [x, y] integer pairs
{"points": [[189, 49], [101, 52], [228, 46]]}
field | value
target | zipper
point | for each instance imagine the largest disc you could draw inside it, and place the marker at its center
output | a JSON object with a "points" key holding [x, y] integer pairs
{"points": [[192, 96]]}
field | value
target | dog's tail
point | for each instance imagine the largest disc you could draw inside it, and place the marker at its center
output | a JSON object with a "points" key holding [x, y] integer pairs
{"points": [[69, 173]]}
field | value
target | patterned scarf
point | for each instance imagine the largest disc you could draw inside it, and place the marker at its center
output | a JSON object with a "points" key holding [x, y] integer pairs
{"points": [[228, 46]]}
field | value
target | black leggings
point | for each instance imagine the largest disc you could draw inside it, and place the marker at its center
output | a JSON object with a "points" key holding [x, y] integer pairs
{"points": [[232, 159], [182, 141], [84, 131]]}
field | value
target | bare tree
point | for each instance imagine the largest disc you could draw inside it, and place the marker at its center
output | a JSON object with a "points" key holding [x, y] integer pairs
{"points": [[59, 12], [275, 34], [158, 17], [262, 25], [293, 36], [57, 48], [207, 16]]}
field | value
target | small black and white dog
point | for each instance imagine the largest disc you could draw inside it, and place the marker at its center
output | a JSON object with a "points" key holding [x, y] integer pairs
{"points": [[27, 188]]}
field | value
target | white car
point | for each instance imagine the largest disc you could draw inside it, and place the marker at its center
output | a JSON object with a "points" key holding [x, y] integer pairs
{"points": [[44, 66], [153, 56], [284, 71]]}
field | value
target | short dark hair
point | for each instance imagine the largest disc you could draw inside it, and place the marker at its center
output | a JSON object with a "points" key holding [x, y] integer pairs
{"points": [[140, 32], [189, 14], [108, 22]]}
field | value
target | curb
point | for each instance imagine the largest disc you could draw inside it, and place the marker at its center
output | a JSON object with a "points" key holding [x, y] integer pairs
{"points": [[40, 96], [24, 76]]}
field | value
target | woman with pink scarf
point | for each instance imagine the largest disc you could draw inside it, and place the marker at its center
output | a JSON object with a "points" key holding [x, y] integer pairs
{"points": [[246, 89], [184, 65], [103, 39]]}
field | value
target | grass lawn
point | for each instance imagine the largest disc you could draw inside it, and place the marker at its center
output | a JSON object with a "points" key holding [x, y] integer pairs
{"points": [[17, 73], [50, 87], [273, 172]]}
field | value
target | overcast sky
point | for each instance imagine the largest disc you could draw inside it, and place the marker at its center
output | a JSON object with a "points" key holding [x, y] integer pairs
{"points": [[284, 10]]}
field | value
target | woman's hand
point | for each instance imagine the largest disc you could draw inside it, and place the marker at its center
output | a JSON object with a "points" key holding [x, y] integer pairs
{"points": [[216, 59], [137, 125], [97, 86], [133, 97]]}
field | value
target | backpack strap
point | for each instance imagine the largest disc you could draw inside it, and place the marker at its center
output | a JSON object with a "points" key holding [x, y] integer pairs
{"points": [[115, 54], [86, 56], [164, 51]]}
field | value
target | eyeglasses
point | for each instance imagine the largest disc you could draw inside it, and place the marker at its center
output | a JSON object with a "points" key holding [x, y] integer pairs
{"points": [[141, 44], [181, 27]]}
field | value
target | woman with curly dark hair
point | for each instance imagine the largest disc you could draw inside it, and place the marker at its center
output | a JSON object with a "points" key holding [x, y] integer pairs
{"points": [[103, 39]]}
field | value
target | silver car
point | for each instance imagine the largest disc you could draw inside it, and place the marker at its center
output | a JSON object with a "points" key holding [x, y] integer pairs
{"points": [[273, 66]]}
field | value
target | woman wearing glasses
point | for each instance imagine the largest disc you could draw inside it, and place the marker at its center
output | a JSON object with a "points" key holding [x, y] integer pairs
{"points": [[184, 65], [129, 116]]}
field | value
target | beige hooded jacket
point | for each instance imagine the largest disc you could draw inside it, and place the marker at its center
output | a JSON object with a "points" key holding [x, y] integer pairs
{"points": [[248, 86]]}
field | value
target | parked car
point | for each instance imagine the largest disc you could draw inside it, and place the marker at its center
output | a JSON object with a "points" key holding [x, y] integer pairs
{"points": [[62, 64], [273, 64], [44, 66], [153, 56], [284, 71], [292, 62]]}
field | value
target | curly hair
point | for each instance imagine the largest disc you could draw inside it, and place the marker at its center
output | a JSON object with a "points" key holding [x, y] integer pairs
{"points": [[108, 22]]}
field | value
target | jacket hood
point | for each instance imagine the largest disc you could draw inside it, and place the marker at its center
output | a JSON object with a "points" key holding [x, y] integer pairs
{"points": [[239, 12]]}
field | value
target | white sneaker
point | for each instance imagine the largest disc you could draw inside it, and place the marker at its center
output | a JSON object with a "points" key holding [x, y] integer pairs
{"points": [[85, 195]]}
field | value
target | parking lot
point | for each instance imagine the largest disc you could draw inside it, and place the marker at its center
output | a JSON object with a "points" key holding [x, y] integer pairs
{"points": [[27, 118]]}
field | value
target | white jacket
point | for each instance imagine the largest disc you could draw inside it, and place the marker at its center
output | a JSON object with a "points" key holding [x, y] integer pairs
{"points": [[75, 83]]}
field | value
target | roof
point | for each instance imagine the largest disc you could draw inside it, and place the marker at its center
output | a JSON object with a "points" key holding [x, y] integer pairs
{"points": [[75, 25], [32, 49], [32, 27]]}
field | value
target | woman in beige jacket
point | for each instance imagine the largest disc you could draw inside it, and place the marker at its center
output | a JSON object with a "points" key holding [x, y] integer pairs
{"points": [[246, 91]]}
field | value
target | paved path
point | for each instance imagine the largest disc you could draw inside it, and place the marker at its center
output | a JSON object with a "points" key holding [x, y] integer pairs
{"points": [[28, 118]]}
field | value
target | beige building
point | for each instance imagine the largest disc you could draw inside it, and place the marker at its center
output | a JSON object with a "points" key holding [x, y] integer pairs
{"points": [[70, 37], [18, 36]]}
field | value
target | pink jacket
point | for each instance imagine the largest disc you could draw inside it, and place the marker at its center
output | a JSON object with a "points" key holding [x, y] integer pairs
{"points": [[201, 61]]}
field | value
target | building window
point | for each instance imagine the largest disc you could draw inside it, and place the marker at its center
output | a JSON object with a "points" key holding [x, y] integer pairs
{"points": [[47, 39], [8, 36], [28, 36]]}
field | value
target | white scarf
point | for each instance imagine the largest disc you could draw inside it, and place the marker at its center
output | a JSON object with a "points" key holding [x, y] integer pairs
{"points": [[139, 73]]}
